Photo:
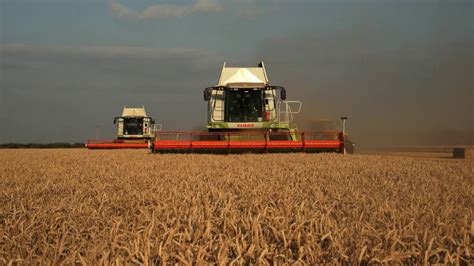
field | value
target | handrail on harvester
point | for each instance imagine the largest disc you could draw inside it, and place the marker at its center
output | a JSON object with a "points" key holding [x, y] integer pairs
{"points": [[285, 114]]}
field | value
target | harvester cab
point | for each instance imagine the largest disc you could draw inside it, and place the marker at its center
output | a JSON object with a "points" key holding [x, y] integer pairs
{"points": [[134, 124], [134, 130], [244, 100]]}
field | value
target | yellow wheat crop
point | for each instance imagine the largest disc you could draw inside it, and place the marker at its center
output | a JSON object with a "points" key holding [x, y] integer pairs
{"points": [[102, 207]]}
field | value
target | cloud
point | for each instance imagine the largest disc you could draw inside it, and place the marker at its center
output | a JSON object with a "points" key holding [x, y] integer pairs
{"points": [[100, 51], [63, 92], [396, 93], [164, 10]]}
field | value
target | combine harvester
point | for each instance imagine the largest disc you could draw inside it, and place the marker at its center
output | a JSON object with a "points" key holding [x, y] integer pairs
{"points": [[247, 114], [134, 130]]}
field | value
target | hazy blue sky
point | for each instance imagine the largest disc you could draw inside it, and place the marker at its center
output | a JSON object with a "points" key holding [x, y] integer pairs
{"points": [[401, 70]]}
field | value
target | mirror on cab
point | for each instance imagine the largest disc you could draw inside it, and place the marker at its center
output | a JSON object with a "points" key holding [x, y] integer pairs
{"points": [[282, 93], [207, 94]]}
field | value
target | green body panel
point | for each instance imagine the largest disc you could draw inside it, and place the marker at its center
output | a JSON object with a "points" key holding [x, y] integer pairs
{"points": [[254, 126]]}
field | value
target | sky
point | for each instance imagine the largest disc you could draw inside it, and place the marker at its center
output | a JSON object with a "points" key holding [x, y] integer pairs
{"points": [[402, 71]]}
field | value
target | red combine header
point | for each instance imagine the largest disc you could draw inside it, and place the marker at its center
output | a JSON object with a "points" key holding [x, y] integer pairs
{"points": [[247, 142]]}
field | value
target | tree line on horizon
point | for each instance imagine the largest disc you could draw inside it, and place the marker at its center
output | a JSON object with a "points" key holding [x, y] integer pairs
{"points": [[41, 145]]}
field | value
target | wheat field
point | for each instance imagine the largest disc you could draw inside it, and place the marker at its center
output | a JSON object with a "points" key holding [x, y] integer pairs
{"points": [[75, 206]]}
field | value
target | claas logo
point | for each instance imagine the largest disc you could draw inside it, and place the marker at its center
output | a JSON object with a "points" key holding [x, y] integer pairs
{"points": [[245, 125]]}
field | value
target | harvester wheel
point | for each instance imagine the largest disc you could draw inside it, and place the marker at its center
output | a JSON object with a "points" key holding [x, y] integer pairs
{"points": [[349, 146]]}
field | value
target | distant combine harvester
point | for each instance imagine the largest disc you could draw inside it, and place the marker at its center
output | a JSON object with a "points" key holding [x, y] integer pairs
{"points": [[134, 129]]}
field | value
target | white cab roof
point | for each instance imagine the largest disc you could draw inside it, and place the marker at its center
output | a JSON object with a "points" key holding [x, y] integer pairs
{"points": [[134, 112], [243, 77]]}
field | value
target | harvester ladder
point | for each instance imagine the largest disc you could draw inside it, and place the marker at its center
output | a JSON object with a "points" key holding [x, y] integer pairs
{"points": [[215, 109]]}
